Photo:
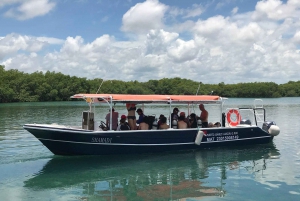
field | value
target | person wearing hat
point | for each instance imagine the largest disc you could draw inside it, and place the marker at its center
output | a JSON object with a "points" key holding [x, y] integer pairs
{"points": [[115, 116], [181, 124], [123, 124]]}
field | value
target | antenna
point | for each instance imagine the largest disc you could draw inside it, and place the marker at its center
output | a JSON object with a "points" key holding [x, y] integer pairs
{"points": [[198, 88], [100, 86]]}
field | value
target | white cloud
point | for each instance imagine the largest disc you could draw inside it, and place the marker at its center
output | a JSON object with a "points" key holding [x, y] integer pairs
{"points": [[296, 37], [234, 10], [250, 33], [158, 40], [13, 43], [50, 40], [144, 16], [182, 51], [195, 11], [190, 12], [182, 27], [276, 10], [238, 48], [216, 51], [295, 3], [212, 26], [72, 45], [29, 9]]}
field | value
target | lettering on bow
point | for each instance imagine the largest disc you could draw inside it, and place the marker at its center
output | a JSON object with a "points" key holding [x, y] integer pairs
{"points": [[101, 140]]}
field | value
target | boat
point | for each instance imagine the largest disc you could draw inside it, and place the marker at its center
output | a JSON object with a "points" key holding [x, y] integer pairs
{"points": [[235, 128]]}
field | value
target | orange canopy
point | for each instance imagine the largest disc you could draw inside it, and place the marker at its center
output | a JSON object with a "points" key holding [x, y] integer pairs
{"points": [[151, 98]]}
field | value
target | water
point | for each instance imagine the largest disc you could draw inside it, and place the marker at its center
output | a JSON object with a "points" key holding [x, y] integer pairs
{"points": [[28, 171]]}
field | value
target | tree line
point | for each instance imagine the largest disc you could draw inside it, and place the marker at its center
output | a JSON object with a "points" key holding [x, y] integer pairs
{"points": [[17, 86]]}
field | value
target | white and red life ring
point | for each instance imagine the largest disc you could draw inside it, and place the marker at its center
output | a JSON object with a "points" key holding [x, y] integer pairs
{"points": [[237, 120]]}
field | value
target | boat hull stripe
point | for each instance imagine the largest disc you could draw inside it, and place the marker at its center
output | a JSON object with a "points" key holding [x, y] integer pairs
{"points": [[170, 144]]}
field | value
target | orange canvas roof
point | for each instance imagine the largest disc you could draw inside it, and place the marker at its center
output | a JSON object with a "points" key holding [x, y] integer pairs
{"points": [[150, 98]]}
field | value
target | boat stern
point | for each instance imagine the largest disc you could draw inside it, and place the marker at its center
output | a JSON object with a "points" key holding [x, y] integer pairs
{"points": [[271, 128]]}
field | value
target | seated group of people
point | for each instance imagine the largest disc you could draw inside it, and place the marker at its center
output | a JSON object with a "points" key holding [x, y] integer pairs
{"points": [[143, 121], [183, 122]]}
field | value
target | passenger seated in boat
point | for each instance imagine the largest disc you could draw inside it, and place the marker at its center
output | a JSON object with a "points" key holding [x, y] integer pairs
{"points": [[115, 116], [210, 125], [186, 120], [181, 124], [131, 115], [217, 124], [144, 124], [193, 121], [163, 124], [141, 115], [203, 116], [123, 125], [159, 121], [174, 115]]}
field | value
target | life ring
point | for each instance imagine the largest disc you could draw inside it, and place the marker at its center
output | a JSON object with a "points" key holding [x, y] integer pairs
{"points": [[238, 117]]}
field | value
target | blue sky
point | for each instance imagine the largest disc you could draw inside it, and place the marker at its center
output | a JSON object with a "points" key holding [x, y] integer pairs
{"points": [[211, 41]]}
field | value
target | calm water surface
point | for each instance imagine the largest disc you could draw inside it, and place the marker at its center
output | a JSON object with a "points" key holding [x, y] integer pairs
{"points": [[28, 171]]}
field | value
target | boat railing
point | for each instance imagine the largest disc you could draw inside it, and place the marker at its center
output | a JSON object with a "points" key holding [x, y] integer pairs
{"points": [[259, 111]]}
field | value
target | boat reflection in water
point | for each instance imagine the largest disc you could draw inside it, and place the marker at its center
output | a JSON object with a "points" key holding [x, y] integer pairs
{"points": [[171, 176]]}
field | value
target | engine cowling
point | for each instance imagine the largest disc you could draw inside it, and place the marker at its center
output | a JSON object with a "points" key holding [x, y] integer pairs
{"points": [[271, 128]]}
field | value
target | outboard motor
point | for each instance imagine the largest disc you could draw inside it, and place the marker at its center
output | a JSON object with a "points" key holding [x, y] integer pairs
{"points": [[154, 125], [199, 123], [245, 122], [271, 128], [174, 123]]}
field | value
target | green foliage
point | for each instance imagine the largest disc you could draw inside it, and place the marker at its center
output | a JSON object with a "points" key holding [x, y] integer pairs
{"points": [[290, 89], [16, 86]]}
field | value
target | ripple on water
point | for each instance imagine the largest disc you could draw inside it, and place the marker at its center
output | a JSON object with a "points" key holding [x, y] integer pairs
{"points": [[272, 173], [20, 146]]}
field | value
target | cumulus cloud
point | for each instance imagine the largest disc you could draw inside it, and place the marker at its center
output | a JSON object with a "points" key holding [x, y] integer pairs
{"points": [[182, 51], [28, 9], [212, 26], [241, 47], [297, 37], [144, 16], [13, 43], [276, 10], [158, 40]]}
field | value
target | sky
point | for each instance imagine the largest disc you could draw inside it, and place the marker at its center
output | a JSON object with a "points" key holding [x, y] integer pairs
{"points": [[208, 41]]}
